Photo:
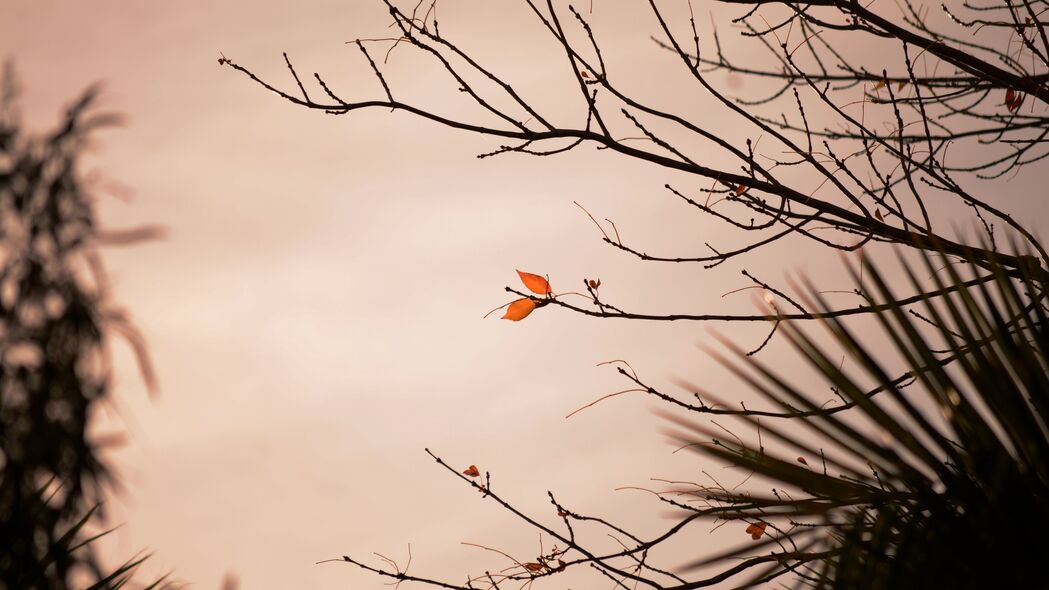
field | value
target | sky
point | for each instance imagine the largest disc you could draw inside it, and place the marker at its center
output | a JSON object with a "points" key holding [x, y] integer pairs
{"points": [[314, 310]]}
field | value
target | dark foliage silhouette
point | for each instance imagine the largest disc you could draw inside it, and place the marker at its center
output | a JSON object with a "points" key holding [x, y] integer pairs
{"points": [[56, 322], [942, 485]]}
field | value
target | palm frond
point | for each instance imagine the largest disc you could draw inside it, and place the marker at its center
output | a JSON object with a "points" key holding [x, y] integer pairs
{"points": [[943, 483]]}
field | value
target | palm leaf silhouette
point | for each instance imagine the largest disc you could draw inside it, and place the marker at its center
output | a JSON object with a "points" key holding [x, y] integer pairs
{"points": [[938, 481]]}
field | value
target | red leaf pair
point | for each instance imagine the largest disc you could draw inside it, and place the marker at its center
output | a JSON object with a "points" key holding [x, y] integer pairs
{"points": [[519, 310]]}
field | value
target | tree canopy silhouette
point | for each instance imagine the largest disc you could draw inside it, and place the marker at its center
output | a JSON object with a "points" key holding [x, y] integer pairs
{"points": [[873, 125]]}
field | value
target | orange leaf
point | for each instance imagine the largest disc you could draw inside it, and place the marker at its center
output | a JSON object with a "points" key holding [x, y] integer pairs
{"points": [[533, 567], [535, 283], [471, 471], [756, 529], [519, 310], [879, 84], [740, 190], [802, 461]]}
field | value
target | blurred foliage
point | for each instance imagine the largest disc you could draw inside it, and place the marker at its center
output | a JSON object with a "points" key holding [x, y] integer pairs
{"points": [[54, 368]]}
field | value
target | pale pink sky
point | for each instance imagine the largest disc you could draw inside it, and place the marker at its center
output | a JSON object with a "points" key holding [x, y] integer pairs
{"points": [[315, 312]]}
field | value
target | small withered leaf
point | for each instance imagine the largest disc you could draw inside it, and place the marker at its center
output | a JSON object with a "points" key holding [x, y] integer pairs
{"points": [[755, 530]]}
